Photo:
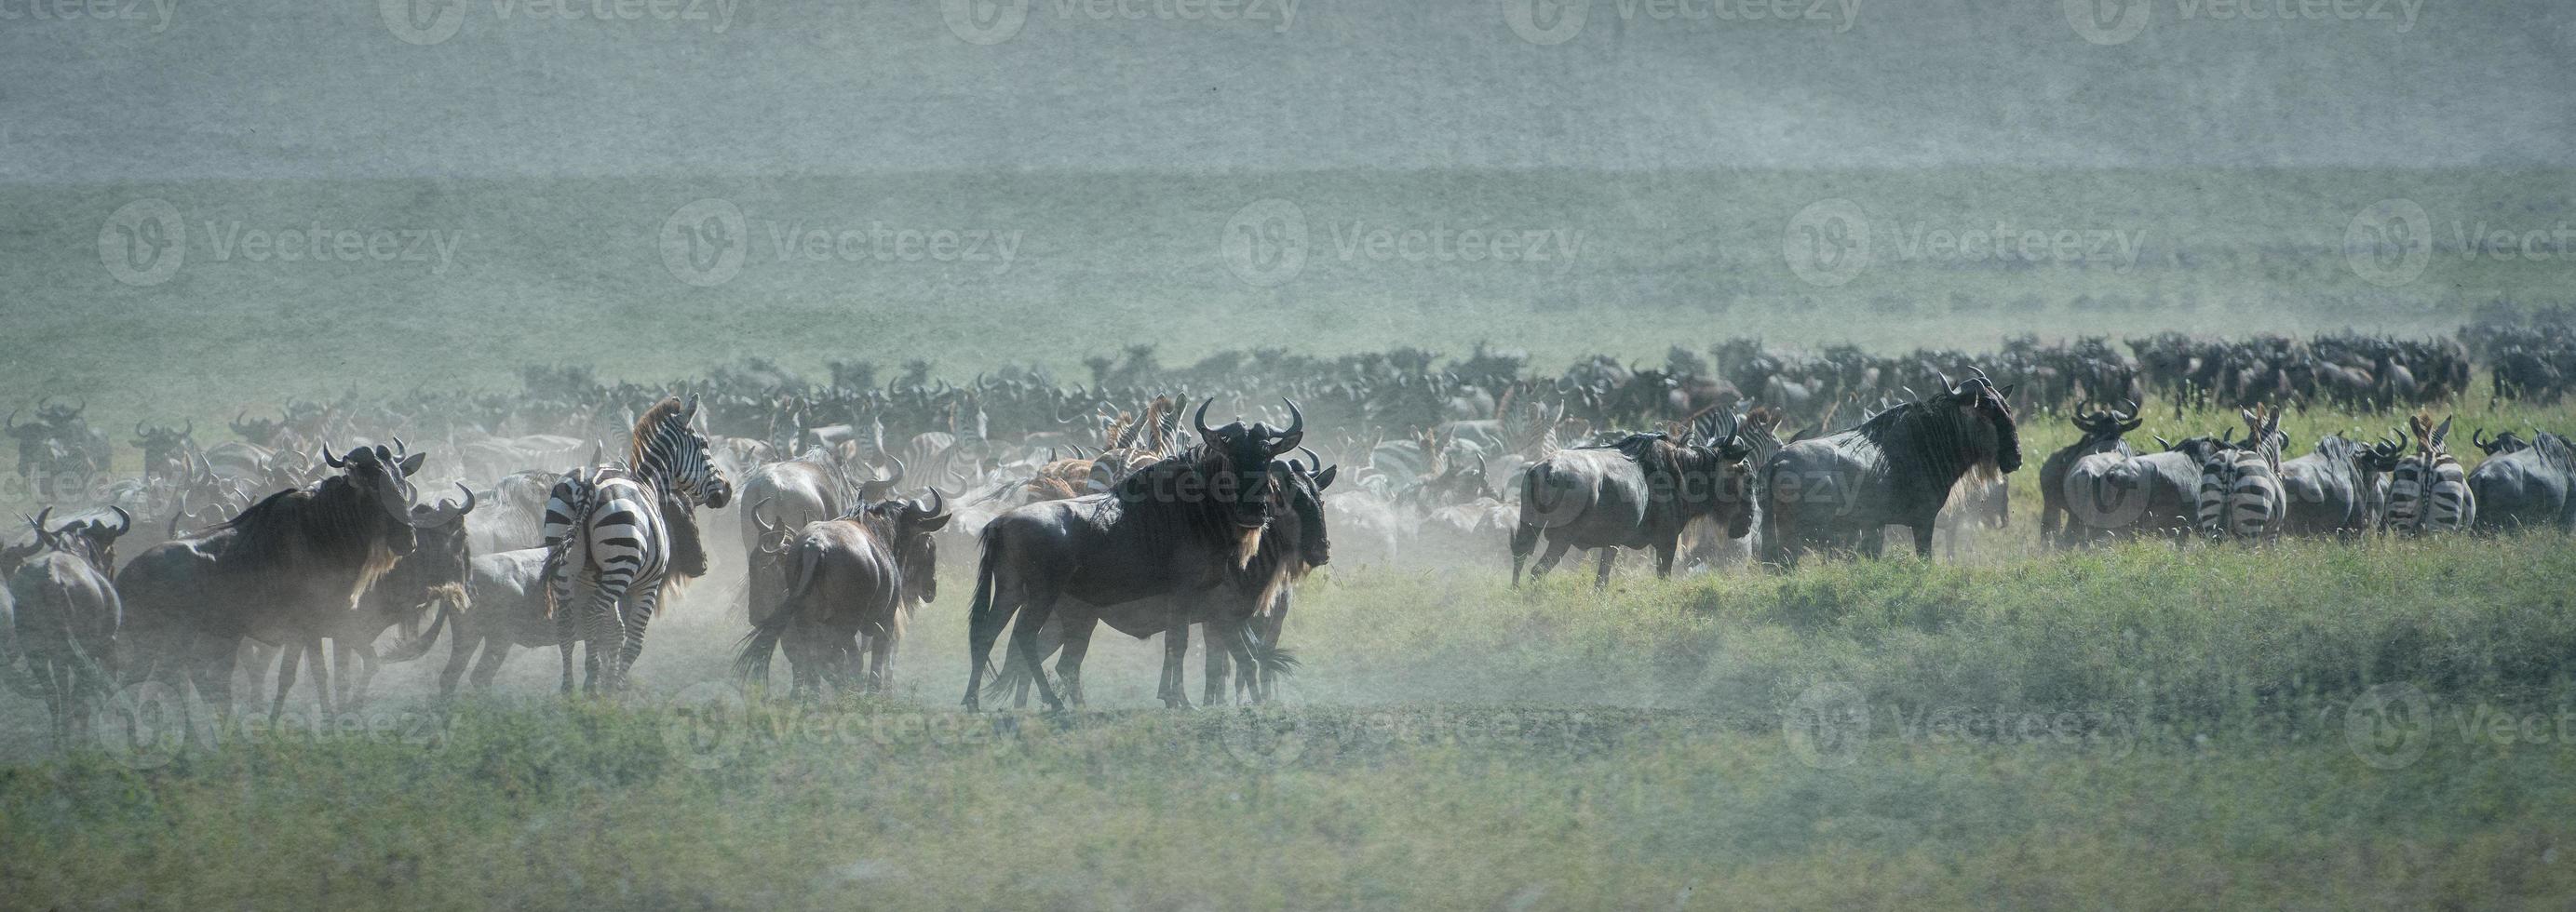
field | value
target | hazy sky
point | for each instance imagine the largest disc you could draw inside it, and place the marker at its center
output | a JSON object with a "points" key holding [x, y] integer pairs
{"points": [[295, 88]]}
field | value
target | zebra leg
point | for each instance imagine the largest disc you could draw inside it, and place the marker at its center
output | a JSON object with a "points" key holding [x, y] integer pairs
{"points": [[637, 618], [600, 632]]}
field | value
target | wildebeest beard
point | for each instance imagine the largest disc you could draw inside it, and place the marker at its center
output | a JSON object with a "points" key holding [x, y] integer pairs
{"points": [[1182, 493]]}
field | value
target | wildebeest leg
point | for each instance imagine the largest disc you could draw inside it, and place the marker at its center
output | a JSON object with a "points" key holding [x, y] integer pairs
{"points": [[1024, 640], [1923, 540], [1218, 667], [461, 644], [1873, 542], [1601, 579], [1547, 559], [1524, 539], [1176, 651], [1068, 667], [1271, 627], [1664, 561], [488, 665]]}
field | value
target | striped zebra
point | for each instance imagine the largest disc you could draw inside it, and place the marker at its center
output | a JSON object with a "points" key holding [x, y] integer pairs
{"points": [[2241, 495], [618, 529], [2428, 491]]}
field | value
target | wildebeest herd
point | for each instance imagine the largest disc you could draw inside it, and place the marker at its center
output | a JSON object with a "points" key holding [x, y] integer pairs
{"points": [[311, 536]]}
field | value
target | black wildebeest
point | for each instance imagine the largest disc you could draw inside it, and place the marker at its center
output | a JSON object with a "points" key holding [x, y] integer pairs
{"points": [[2524, 485], [1895, 469], [1184, 525], [852, 577], [1636, 493], [66, 617], [286, 571], [2102, 431], [1296, 542]]}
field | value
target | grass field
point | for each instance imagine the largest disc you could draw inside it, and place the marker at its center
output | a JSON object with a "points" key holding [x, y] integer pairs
{"points": [[2385, 724]]}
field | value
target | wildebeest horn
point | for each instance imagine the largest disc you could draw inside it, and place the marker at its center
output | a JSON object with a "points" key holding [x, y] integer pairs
{"points": [[762, 522], [39, 521], [937, 506], [2478, 436], [1296, 431], [1310, 454], [1198, 420], [2161, 441], [897, 477], [334, 461], [448, 511], [124, 521]]}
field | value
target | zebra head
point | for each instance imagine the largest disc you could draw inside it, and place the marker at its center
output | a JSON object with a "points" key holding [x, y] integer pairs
{"points": [[671, 451]]}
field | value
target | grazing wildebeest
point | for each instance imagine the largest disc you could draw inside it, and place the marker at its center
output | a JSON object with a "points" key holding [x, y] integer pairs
{"points": [[1296, 542], [807, 489], [2334, 490], [1895, 469], [1636, 493], [2428, 491], [286, 571], [2102, 431], [2525, 485], [856, 577], [2240, 494], [616, 531], [1187, 525], [66, 617]]}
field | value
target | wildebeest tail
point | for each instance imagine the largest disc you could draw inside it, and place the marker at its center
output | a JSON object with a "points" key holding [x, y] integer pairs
{"points": [[981, 625], [751, 662]]}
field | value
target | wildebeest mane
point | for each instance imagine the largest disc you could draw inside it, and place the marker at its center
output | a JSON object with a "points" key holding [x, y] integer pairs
{"points": [[332, 518], [688, 558], [1149, 494], [1929, 438]]}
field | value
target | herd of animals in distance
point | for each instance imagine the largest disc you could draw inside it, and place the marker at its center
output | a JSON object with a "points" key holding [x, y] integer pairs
{"points": [[360, 531]]}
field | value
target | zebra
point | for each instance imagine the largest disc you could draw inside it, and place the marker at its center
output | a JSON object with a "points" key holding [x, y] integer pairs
{"points": [[2241, 495], [625, 531], [2429, 491]]}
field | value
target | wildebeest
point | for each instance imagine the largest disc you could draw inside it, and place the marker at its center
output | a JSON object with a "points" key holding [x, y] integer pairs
{"points": [[2102, 431], [2334, 490], [428, 583], [2240, 494], [1897, 468], [853, 578], [66, 617], [505, 606], [807, 489], [286, 572], [2428, 491], [1296, 543], [1185, 525], [1636, 493], [619, 530], [2112, 494], [2524, 485]]}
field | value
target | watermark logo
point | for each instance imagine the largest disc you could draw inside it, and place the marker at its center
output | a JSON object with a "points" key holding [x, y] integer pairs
{"points": [[144, 242], [703, 243], [1550, 22], [142, 726], [1830, 242], [2108, 22], [985, 22], [422, 22], [705, 725], [1264, 244], [1827, 725], [2389, 725], [1827, 243], [2389, 242]]}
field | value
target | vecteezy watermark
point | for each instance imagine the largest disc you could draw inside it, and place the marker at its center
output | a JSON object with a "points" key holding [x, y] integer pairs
{"points": [[154, 14], [145, 242], [1830, 242], [1267, 243], [990, 22], [1545, 22], [2391, 242], [2109, 22], [427, 22], [709, 241], [150, 723], [1829, 724], [2391, 725]]}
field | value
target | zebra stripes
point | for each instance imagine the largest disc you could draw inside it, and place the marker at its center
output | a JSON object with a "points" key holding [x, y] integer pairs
{"points": [[606, 529], [2428, 491], [2240, 494]]}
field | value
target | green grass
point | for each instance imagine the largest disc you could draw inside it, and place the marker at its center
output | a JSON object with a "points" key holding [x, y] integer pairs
{"points": [[2136, 726]]}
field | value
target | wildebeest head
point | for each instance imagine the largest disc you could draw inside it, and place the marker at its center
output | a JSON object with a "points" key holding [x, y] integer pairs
{"points": [[164, 449], [383, 477], [2107, 423], [93, 541], [433, 573], [1234, 461], [1302, 489], [2507, 442], [916, 549], [1992, 437], [260, 431]]}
